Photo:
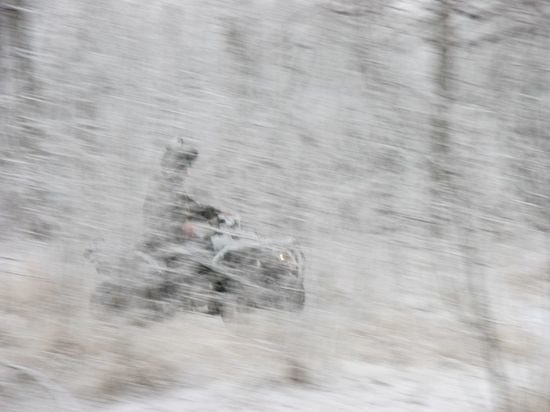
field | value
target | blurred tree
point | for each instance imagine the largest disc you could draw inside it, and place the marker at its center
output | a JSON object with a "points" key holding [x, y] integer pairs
{"points": [[22, 130]]}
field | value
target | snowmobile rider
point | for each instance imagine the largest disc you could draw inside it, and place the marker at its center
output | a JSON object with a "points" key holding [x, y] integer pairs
{"points": [[169, 212]]}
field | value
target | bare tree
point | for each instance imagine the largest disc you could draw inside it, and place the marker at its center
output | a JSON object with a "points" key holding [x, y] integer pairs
{"points": [[452, 207]]}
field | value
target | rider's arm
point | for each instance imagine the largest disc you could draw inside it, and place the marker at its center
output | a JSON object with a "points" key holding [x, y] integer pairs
{"points": [[189, 209], [204, 212]]}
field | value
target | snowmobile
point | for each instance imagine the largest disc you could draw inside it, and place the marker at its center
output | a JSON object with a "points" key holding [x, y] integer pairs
{"points": [[224, 271]]}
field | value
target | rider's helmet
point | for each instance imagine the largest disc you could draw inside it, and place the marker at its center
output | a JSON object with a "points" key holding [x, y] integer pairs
{"points": [[179, 156]]}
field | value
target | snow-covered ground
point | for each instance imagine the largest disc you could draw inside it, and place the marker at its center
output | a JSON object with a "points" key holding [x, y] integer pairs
{"points": [[414, 356], [355, 386]]}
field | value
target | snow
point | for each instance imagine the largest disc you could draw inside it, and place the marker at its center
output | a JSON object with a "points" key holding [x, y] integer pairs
{"points": [[315, 120], [358, 386]]}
